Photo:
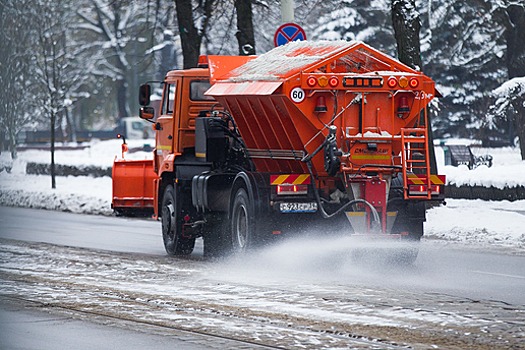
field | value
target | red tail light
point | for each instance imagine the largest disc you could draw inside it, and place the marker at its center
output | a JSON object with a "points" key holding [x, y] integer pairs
{"points": [[311, 81], [391, 82], [422, 190], [413, 82], [287, 190], [333, 82]]}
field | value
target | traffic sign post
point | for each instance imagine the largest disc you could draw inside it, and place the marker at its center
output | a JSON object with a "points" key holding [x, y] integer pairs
{"points": [[288, 32]]}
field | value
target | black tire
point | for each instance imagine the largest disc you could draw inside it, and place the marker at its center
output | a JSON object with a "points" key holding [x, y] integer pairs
{"points": [[216, 235], [172, 224], [407, 254], [243, 231], [409, 221]]}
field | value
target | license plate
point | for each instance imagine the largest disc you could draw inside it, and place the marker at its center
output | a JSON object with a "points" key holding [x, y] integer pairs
{"points": [[298, 207]]}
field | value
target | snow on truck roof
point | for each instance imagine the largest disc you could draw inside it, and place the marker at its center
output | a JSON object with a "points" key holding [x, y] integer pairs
{"points": [[285, 61]]}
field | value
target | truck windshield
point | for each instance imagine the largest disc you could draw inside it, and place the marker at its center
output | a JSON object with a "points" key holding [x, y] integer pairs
{"points": [[197, 90]]}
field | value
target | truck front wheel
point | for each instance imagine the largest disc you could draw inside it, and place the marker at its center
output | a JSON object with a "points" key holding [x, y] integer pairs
{"points": [[172, 224]]}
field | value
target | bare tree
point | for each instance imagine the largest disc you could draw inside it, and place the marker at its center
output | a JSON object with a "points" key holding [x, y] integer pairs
{"points": [[245, 36], [116, 32], [507, 18], [405, 20], [59, 74], [515, 27], [191, 35], [15, 79], [511, 96], [165, 51]]}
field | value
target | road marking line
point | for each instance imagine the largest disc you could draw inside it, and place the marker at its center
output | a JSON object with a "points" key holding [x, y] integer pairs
{"points": [[499, 274]]}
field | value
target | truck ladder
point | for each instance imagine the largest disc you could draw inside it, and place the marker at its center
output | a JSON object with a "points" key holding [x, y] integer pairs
{"points": [[416, 161]]}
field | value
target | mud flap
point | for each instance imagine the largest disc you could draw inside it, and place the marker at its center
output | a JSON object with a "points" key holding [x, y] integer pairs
{"points": [[359, 220]]}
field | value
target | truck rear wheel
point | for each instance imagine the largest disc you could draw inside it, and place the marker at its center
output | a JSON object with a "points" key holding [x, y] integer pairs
{"points": [[408, 254], [172, 224], [242, 222]]}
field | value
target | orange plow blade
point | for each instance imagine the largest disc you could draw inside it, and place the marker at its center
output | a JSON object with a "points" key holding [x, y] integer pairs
{"points": [[133, 186]]}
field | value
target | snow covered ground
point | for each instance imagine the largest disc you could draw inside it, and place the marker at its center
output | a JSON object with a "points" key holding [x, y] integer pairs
{"points": [[473, 222]]}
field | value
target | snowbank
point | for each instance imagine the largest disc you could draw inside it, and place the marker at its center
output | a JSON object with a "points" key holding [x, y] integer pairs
{"points": [[508, 170]]}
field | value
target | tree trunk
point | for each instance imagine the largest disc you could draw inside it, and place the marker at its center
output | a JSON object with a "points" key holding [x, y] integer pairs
{"points": [[405, 20], [245, 36], [52, 167], [189, 35], [514, 37], [122, 99], [519, 107], [71, 129], [516, 65], [12, 143]]}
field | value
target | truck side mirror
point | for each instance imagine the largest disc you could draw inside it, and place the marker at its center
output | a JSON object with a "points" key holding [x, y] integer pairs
{"points": [[144, 94], [147, 113]]}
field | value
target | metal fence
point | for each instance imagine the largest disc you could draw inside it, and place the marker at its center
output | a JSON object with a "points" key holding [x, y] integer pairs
{"points": [[485, 193]]}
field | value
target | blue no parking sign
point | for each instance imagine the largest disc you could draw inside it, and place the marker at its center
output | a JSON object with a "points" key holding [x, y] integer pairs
{"points": [[288, 32]]}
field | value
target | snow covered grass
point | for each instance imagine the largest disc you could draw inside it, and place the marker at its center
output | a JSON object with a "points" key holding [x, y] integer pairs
{"points": [[494, 223], [508, 170], [477, 222]]}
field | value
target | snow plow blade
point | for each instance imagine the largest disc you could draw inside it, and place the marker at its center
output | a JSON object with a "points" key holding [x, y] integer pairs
{"points": [[133, 187]]}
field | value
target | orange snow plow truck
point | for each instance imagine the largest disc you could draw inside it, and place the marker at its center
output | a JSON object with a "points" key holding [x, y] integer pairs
{"points": [[320, 135]]}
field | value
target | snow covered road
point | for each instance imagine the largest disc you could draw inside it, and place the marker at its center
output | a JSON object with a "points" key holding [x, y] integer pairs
{"points": [[197, 295], [298, 294]]}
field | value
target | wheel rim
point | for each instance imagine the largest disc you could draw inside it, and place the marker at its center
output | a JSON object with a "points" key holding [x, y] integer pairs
{"points": [[241, 226], [168, 220]]}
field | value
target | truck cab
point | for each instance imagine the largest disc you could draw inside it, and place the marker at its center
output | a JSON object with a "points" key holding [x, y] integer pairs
{"points": [[183, 99]]}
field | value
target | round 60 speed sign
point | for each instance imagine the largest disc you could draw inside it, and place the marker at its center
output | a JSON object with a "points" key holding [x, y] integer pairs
{"points": [[297, 95]]}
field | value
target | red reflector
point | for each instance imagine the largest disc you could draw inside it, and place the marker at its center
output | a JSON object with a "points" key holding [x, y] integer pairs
{"points": [[311, 81], [333, 82], [422, 189], [391, 82], [292, 189], [413, 83]]}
